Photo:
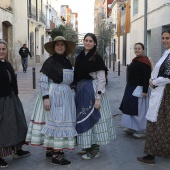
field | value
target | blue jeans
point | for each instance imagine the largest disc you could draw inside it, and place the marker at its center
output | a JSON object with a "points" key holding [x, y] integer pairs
{"points": [[25, 63]]}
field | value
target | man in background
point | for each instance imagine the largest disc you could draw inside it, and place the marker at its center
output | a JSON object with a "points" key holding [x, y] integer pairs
{"points": [[24, 51]]}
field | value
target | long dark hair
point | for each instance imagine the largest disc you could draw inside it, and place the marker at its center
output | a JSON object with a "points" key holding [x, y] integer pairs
{"points": [[94, 49]]}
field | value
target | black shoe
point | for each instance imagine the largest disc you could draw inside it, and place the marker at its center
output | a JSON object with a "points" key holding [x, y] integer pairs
{"points": [[20, 153], [147, 160], [3, 164], [49, 153], [61, 162]]}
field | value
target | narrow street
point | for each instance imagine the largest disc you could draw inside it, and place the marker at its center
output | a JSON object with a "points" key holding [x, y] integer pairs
{"points": [[120, 154]]}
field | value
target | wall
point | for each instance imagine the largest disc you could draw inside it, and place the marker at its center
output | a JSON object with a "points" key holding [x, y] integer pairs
{"points": [[6, 3], [160, 9], [20, 30], [5, 16], [157, 19], [128, 50]]}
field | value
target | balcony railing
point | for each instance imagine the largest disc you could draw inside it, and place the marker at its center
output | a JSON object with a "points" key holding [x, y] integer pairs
{"points": [[42, 17], [32, 12]]}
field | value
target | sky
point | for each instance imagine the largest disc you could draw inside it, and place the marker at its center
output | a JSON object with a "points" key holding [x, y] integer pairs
{"points": [[85, 10]]}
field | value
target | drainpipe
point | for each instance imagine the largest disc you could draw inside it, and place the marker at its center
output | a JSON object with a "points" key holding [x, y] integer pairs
{"points": [[145, 25]]}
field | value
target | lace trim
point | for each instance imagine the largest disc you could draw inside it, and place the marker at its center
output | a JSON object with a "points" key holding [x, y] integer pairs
{"points": [[59, 133]]}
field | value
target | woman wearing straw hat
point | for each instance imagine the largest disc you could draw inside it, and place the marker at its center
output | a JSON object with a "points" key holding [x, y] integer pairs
{"points": [[54, 117]]}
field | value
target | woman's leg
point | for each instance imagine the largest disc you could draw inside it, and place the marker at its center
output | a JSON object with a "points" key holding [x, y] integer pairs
{"points": [[49, 152], [83, 151], [93, 152]]}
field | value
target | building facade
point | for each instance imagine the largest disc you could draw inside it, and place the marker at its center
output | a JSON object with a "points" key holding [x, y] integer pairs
{"points": [[157, 21], [53, 19], [36, 28], [13, 28], [30, 22]]}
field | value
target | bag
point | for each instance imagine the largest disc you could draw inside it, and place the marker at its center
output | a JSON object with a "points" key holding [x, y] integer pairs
{"points": [[138, 91]]}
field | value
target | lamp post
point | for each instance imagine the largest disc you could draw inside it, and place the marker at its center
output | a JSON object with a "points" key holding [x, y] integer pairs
{"points": [[110, 43], [110, 53], [103, 49], [145, 25]]}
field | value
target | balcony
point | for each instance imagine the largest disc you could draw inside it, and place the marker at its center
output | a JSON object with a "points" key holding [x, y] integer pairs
{"points": [[52, 25], [32, 12], [42, 17]]}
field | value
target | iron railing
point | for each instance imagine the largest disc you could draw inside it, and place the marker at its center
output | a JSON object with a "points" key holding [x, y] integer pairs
{"points": [[42, 17], [32, 12]]}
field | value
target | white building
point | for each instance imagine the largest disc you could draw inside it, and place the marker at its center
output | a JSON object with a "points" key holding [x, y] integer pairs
{"points": [[158, 20], [53, 19]]}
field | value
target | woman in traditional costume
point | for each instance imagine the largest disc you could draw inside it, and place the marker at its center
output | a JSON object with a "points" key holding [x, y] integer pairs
{"points": [[54, 117], [13, 126], [134, 108], [158, 115], [94, 119]]}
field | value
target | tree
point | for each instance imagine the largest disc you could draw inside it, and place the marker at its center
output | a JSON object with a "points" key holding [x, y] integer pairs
{"points": [[66, 31], [103, 40]]}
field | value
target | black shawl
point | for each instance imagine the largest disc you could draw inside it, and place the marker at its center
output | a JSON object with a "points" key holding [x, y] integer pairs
{"points": [[86, 64], [8, 81], [53, 67]]}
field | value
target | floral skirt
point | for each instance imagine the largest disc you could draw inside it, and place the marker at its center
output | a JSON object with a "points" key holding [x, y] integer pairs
{"points": [[158, 133]]}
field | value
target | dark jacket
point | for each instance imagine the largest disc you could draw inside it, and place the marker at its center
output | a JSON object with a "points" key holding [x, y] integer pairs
{"points": [[7, 79], [24, 52], [139, 74]]}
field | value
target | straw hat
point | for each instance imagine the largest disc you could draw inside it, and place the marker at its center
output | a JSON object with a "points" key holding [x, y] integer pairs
{"points": [[70, 46]]}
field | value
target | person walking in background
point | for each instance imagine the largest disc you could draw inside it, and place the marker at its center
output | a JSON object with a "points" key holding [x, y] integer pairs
{"points": [[54, 117], [24, 52], [94, 119], [13, 126], [135, 108], [158, 115]]}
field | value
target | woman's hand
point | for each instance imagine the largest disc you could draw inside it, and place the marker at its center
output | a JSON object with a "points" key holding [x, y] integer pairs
{"points": [[150, 83], [97, 104], [47, 105], [144, 94]]}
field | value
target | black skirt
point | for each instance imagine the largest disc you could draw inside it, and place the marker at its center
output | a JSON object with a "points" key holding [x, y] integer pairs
{"points": [[13, 126]]}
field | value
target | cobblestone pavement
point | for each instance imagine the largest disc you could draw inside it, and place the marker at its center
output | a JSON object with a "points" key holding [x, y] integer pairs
{"points": [[120, 154]]}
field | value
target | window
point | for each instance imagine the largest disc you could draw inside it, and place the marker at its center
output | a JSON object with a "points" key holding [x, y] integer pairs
{"points": [[135, 7], [32, 43]]}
